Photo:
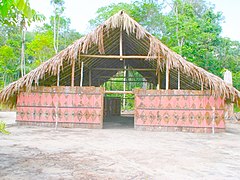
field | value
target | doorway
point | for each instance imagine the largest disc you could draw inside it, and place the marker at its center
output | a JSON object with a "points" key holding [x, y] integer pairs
{"points": [[115, 117], [119, 99]]}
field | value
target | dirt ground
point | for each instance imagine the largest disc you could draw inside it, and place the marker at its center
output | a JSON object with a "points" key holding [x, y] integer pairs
{"points": [[117, 153]]}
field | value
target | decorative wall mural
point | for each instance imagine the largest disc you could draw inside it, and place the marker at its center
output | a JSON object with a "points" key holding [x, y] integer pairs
{"points": [[67, 104], [178, 108]]}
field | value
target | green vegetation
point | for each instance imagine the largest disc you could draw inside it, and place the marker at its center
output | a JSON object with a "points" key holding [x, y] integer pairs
{"points": [[236, 108], [133, 80], [22, 50], [192, 28], [3, 128], [14, 11]]}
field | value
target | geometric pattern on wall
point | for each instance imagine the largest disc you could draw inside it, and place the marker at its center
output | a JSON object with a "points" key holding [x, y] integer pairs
{"points": [[71, 104], [178, 108]]}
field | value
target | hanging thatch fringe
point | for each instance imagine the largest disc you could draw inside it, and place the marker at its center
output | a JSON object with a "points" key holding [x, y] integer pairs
{"points": [[130, 26]]}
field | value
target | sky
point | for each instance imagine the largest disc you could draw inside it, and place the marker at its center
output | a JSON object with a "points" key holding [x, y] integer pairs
{"points": [[81, 11]]}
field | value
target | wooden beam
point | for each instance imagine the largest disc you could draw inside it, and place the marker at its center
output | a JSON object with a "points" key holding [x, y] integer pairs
{"points": [[73, 72], [167, 75], [159, 80], [58, 76], [124, 86], [121, 69], [118, 92], [81, 79], [118, 56], [126, 81]]}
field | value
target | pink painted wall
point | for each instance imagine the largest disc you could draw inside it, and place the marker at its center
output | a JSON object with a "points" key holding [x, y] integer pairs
{"points": [[178, 108], [75, 105]]}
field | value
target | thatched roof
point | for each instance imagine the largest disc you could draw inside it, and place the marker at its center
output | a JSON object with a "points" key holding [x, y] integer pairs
{"points": [[105, 40]]}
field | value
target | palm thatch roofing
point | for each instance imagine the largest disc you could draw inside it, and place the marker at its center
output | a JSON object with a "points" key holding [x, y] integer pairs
{"points": [[105, 39]]}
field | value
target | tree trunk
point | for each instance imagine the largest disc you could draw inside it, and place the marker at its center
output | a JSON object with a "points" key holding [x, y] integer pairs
{"points": [[54, 34], [23, 65], [57, 32]]}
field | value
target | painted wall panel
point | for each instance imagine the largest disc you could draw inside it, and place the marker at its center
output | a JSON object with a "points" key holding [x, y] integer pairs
{"points": [[71, 104], [178, 108]]}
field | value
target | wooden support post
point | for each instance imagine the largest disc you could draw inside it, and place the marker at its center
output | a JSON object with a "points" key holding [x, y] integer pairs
{"points": [[179, 79], [73, 72], [159, 81], [90, 77], [124, 88], [56, 122], [202, 86], [167, 75], [81, 78], [121, 44], [58, 76]]}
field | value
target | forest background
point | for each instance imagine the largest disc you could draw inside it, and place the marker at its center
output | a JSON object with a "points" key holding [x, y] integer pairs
{"points": [[192, 28]]}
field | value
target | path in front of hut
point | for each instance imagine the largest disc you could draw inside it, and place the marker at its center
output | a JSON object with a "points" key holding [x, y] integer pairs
{"points": [[44, 153]]}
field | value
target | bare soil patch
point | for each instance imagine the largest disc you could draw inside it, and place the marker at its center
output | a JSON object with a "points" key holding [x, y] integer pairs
{"points": [[118, 153]]}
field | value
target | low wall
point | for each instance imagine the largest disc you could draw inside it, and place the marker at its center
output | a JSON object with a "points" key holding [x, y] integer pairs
{"points": [[69, 106], [178, 110]]}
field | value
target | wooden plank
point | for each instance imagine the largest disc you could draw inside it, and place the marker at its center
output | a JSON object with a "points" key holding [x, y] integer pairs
{"points": [[73, 72], [58, 76], [135, 57], [167, 76]]}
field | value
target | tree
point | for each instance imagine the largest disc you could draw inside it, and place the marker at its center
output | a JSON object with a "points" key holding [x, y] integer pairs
{"points": [[7, 70], [66, 35], [192, 33], [58, 11], [23, 26], [228, 54], [8, 64], [19, 13], [13, 13], [40, 48], [147, 12], [192, 28], [11, 9]]}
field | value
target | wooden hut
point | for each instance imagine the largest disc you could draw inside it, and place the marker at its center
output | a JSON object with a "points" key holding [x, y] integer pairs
{"points": [[66, 89]]}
